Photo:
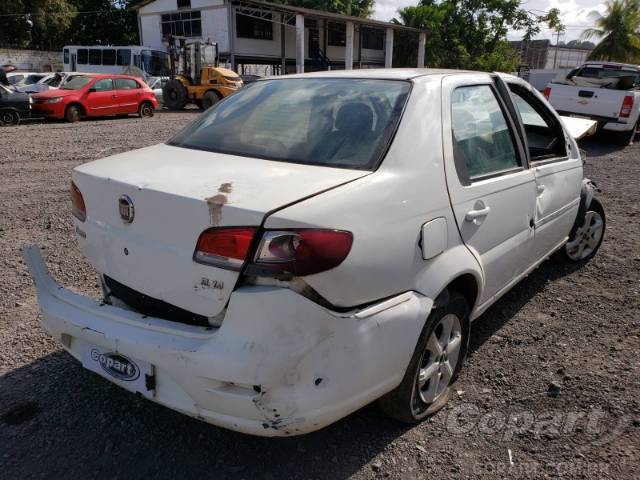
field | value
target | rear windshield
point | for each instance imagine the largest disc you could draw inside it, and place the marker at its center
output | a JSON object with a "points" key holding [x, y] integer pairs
{"points": [[338, 122]]}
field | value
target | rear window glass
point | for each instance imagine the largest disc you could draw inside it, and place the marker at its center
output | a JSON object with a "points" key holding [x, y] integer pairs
{"points": [[344, 123]]}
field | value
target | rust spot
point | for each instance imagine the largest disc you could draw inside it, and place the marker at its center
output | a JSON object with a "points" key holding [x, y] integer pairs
{"points": [[215, 205], [225, 188]]}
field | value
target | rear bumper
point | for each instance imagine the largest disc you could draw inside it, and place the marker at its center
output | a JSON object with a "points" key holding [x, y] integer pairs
{"points": [[279, 364], [604, 123]]}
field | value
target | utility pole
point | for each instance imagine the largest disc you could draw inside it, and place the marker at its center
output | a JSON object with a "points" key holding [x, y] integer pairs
{"points": [[555, 57]]}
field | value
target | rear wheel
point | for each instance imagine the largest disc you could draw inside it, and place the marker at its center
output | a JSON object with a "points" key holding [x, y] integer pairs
{"points": [[73, 114], [209, 99], [583, 245], [146, 110], [435, 364], [9, 117], [174, 95]]}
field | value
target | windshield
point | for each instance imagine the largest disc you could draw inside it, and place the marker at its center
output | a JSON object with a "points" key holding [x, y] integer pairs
{"points": [[154, 63], [332, 122], [76, 83]]}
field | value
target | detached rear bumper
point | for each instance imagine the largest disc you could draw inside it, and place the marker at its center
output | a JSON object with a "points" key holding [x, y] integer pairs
{"points": [[279, 364]]}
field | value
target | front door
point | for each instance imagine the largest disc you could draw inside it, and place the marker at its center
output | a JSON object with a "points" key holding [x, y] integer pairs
{"points": [[102, 98], [491, 188]]}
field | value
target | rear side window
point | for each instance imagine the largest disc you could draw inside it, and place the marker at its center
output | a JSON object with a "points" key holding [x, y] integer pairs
{"points": [[126, 84], [337, 122], [483, 143], [545, 137]]}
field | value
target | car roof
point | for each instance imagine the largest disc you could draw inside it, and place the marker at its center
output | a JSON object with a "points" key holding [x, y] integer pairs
{"points": [[380, 73]]}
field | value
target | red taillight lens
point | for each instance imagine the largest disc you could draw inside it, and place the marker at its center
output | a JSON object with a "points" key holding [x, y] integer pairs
{"points": [[547, 92], [627, 106], [225, 247], [77, 203], [300, 252]]}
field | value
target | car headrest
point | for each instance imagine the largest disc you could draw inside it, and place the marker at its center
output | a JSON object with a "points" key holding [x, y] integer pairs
{"points": [[354, 116]]}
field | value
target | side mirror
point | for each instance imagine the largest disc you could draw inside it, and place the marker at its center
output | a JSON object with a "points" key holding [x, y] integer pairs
{"points": [[92, 90]]}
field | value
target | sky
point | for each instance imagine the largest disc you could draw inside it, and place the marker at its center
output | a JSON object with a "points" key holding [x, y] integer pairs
{"points": [[575, 14]]}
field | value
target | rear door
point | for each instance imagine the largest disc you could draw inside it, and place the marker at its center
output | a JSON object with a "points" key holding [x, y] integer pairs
{"points": [[557, 168], [492, 189], [102, 98], [129, 94]]}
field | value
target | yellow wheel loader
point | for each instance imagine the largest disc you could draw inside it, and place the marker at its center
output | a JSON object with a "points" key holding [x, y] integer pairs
{"points": [[196, 76]]}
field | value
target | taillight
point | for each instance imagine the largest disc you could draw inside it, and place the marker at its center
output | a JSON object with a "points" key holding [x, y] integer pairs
{"points": [[627, 106], [77, 203], [225, 247], [300, 252], [547, 92]]}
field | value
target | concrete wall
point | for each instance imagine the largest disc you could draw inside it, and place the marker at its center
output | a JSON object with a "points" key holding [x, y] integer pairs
{"points": [[31, 60]]}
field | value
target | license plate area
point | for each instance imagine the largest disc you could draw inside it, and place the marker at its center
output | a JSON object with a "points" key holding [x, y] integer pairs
{"points": [[128, 372]]}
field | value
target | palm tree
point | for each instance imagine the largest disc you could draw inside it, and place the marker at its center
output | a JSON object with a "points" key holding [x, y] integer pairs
{"points": [[619, 29]]}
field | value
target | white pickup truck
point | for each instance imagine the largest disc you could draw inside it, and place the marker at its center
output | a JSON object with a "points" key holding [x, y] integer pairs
{"points": [[603, 91]]}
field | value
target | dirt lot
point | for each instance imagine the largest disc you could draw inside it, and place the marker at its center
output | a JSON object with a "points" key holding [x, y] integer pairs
{"points": [[577, 327]]}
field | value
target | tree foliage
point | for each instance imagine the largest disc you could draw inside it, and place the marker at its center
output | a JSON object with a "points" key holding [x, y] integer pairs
{"points": [[355, 8], [470, 34], [619, 31], [50, 24]]}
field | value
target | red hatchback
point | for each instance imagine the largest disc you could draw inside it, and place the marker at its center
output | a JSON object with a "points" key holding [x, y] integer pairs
{"points": [[96, 96]]}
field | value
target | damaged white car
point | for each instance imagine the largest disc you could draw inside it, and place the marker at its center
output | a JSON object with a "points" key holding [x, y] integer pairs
{"points": [[316, 242]]}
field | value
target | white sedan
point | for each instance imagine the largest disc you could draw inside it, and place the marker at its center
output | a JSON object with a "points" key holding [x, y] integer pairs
{"points": [[317, 242]]}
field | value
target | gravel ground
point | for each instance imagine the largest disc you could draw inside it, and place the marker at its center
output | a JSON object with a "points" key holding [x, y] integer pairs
{"points": [[551, 386]]}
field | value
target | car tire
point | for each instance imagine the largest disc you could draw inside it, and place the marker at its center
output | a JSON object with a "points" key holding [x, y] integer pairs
{"points": [[73, 114], [434, 366], [585, 242], [209, 99], [146, 110], [174, 95], [9, 117]]}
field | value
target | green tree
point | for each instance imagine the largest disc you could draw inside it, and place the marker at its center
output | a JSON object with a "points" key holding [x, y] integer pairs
{"points": [[107, 22], [619, 31], [355, 8], [467, 34]]}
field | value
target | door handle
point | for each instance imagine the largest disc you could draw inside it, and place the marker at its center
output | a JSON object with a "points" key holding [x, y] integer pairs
{"points": [[475, 214], [540, 188]]}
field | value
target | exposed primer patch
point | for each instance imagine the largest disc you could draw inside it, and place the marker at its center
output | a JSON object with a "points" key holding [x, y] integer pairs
{"points": [[215, 205], [225, 188]]}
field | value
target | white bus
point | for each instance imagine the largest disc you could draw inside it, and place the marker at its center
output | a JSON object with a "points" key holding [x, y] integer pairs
{"points": [[111, 59]]}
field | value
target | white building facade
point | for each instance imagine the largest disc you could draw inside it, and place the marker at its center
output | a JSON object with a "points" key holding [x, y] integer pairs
{"points": [[282, 38]]}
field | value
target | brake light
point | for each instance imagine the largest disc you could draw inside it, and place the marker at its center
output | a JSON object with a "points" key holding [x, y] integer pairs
{"points": [[547, 92], [300, 252], [225, 247], [627, 106], [77, 203]]}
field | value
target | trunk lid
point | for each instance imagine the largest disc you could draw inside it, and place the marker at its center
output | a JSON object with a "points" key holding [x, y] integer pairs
{"points": [[587, 101], [176, 194]]}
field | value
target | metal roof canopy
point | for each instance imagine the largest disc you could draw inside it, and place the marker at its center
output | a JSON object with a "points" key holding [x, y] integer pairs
{"points": [[263, 9]]}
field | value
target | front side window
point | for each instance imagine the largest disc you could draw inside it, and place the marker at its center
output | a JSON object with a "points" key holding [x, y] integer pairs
{"points": [[545, 136], [126, 84], [345, 123], [483, 143], [104, 85]]}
